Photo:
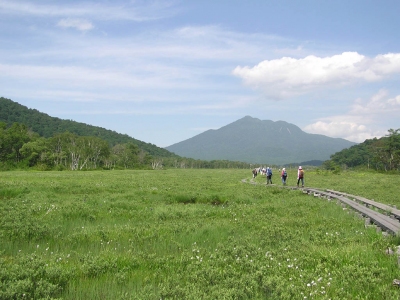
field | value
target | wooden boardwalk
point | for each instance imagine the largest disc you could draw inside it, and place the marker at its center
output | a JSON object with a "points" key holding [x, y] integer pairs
{"points": [[382, 215]]}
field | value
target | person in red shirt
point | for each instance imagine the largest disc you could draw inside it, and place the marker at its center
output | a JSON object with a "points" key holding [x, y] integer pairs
{"points": [[300, 176]]}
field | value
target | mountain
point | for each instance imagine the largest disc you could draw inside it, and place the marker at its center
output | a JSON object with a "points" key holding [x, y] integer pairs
{"points": [[47, 126], [256, 141]]}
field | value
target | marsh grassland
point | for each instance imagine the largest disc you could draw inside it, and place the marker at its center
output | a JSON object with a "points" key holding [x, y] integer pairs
{"points": [[190, 234]]}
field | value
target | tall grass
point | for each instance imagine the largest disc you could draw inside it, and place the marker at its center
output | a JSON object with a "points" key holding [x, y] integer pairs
{"points": [[190, 234]]}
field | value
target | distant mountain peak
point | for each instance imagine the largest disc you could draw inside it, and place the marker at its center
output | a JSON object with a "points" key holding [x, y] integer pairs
{"points": [[259, 141]]}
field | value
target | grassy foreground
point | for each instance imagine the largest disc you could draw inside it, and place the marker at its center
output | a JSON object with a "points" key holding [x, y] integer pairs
{"points": [[190, 234]]}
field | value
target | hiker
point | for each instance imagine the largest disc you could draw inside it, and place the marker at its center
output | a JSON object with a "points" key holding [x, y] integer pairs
{"points": [[269, 175], [255, 173], [284, 176], [300, 176]]}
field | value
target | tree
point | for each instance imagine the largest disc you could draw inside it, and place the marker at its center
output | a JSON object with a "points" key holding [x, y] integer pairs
{"points": [[12, 140], [35, 151], [392, 148]]}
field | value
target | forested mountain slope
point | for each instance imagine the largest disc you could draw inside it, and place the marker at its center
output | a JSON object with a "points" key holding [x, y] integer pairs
{"points": [[379, 154], [47, 126], [253, 140]]}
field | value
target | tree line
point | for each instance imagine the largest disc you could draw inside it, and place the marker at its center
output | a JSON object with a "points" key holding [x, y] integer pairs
{"points": [[22, 148], [380, 154]]}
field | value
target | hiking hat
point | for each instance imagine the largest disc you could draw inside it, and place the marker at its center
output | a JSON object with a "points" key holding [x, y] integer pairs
{"points": [[300, 168]]}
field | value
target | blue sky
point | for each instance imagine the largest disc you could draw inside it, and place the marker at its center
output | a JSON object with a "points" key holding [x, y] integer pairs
{"points": [[165, 71]]}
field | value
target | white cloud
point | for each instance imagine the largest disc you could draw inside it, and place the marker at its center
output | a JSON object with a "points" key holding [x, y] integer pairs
{"points": [[287, 77], [79, 24], [363, 120], [137, 11], [379, 104], [345, 129]]}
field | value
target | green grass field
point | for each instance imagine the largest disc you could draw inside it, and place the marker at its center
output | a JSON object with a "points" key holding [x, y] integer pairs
{"points": [[190, 234]]}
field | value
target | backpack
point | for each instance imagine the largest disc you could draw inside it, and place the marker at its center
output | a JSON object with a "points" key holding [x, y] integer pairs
{"points": [[301, 174]]}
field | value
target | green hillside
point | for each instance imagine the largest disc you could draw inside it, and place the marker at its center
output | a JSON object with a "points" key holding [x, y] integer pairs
{"points": [[379, 154], [47, 126]]}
